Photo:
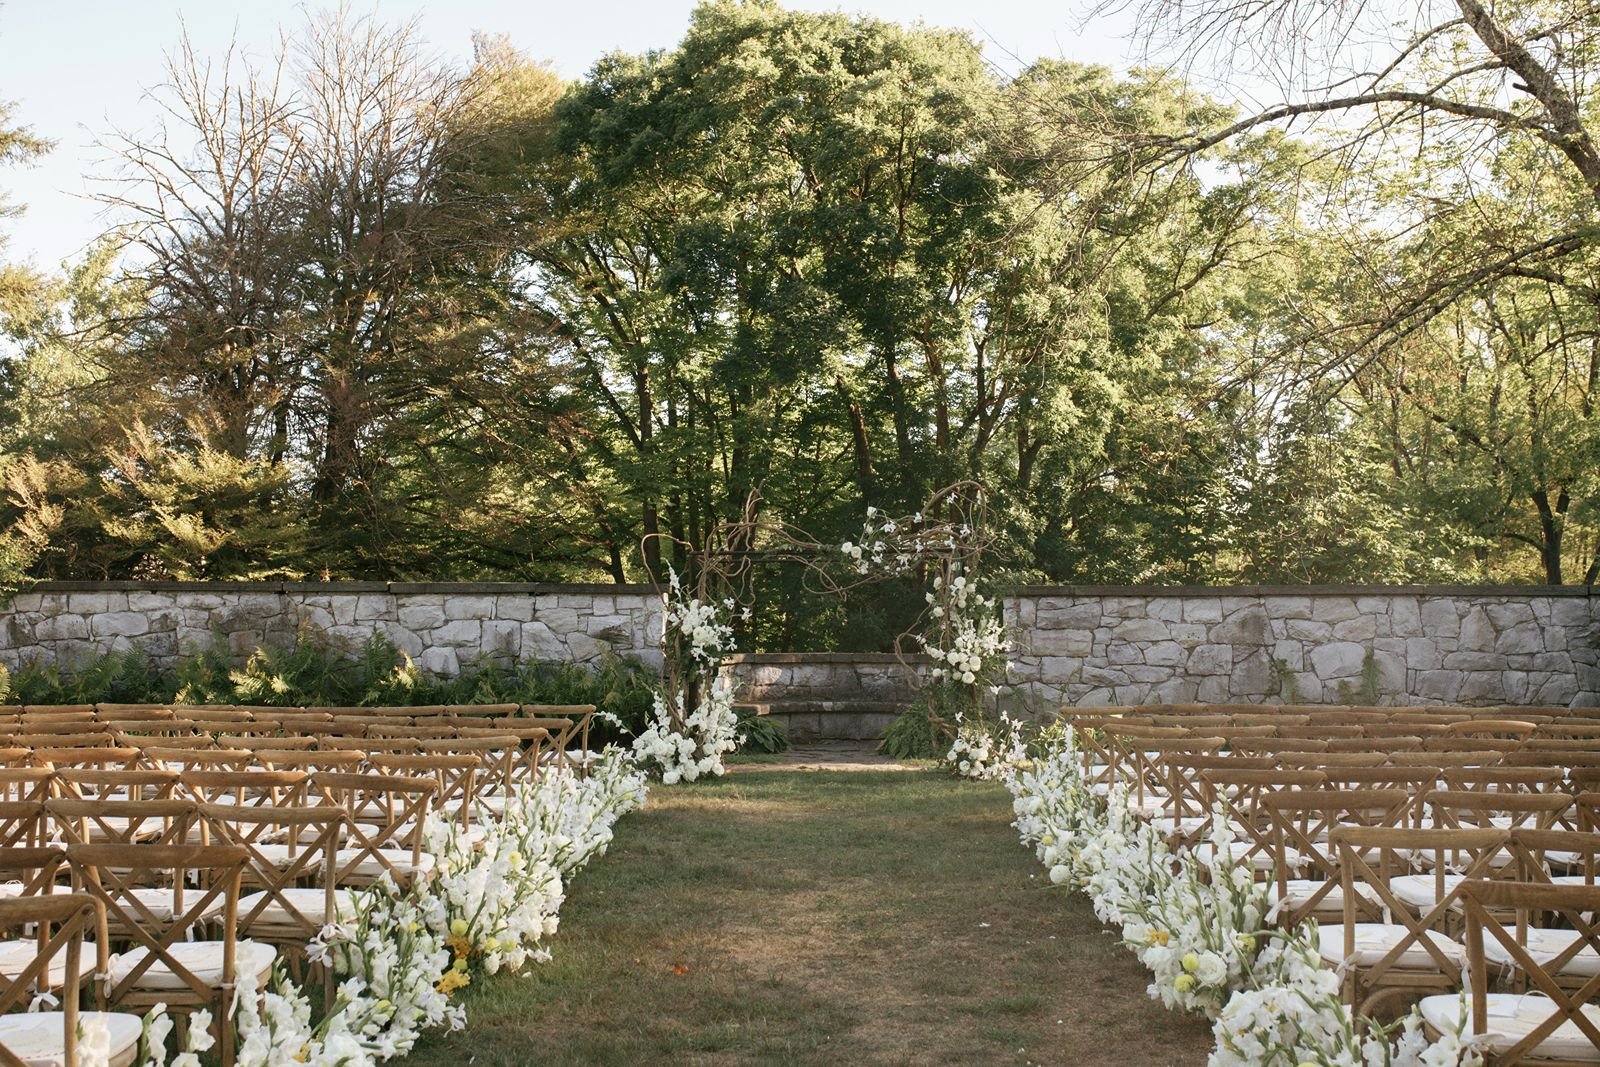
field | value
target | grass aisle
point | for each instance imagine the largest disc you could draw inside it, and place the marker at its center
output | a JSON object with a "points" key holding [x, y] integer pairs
{"points": [[782, 917]]}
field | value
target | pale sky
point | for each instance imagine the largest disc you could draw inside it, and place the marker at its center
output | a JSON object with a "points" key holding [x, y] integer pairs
{"points": [[77, 68]]}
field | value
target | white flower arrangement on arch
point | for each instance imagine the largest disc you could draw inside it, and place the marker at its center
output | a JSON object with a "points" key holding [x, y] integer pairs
{"points": [[683, 742]]}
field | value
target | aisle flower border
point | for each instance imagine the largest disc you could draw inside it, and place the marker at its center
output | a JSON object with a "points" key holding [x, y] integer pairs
{"points": [[399, 955], [1199, 923]]}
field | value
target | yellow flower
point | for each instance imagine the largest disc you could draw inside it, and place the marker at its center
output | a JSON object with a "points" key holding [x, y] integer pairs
{"points": [[1184, 983], [460, 946], [492, 945], [1191, 962], [458, 927], [1160, 937], [453, 980], [461, 964]]}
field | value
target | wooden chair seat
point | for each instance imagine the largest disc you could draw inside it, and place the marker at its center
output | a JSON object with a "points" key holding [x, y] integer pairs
{"points": [[1373, 941], [1422, 892], [1546, 946], [1513, 1017], [16, 955], [361, 867], [292, 910], [1297, 893], [36, 1038], [202, 959]]}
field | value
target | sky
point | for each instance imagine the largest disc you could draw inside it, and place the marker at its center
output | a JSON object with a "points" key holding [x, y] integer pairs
{"points": [[76, 69]]}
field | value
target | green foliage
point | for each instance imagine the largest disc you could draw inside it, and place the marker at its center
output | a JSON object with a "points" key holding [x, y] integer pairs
{"points": [[762, 733], [310, 674], [916, 735], [544, 329]]}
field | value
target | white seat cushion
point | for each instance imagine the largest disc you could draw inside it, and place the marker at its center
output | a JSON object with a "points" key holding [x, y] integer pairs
{"points": [[161, 901], [1512, 1017], [398, 859], [36, 1037], [1544, 946], [1420, 891], [201, 958], [310, 903], [1374, 940], [1297, 891], [16, 955]]}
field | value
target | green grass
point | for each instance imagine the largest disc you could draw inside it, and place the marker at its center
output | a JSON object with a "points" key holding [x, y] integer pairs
{"points": [[781, 917]]}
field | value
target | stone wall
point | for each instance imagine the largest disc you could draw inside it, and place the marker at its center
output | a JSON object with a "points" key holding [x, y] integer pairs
{"points": [[1317, 645], [826, 695], [443, 626]]}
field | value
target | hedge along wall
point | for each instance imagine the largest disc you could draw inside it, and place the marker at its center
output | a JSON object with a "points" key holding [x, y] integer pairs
{"points": [[442, 626], [1308, 644]]}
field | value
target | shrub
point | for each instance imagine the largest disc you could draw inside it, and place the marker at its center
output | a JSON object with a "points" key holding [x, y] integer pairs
{"points": [[310, 673]]}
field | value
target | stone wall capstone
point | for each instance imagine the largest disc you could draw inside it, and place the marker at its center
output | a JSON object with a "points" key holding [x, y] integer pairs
{"points": [[1087, 645], [443, 626]]}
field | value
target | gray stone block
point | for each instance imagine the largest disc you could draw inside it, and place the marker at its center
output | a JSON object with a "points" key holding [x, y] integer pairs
{"points": [[1342, 659], [1440, 618], [1362, 628], [1524, 638], [1141, 630], [1333, 609], [120, 624], [1211, 660], [1247, 626]]}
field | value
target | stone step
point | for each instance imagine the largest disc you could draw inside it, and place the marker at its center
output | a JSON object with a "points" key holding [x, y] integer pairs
{"points": [[832, 720]]}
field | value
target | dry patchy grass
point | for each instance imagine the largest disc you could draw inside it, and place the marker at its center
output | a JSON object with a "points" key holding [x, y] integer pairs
{"points": [[791, 917]]}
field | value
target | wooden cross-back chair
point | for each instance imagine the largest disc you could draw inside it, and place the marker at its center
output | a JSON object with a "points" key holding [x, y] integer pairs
{"points": [[1319, 732], [28, 870], [1272, 746], [1300, 822], [252, 788], [23, 824], [133, 783], [506, 759], [1412, 951], [209, 758], [124, 822], [1143, 766], [384, 818], [1504, 809], [456, 778], [1322, 759], [1504, 779], [27, 784], [314, 760], [1242, 792], [55, 711], [1432, 757], [266, 742], [1381, 730], [565, 722], [29, 1038], [289, 872], [161, 964], [1558, 1023], [1376, 745], [1517, 730], [103, 757]]}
